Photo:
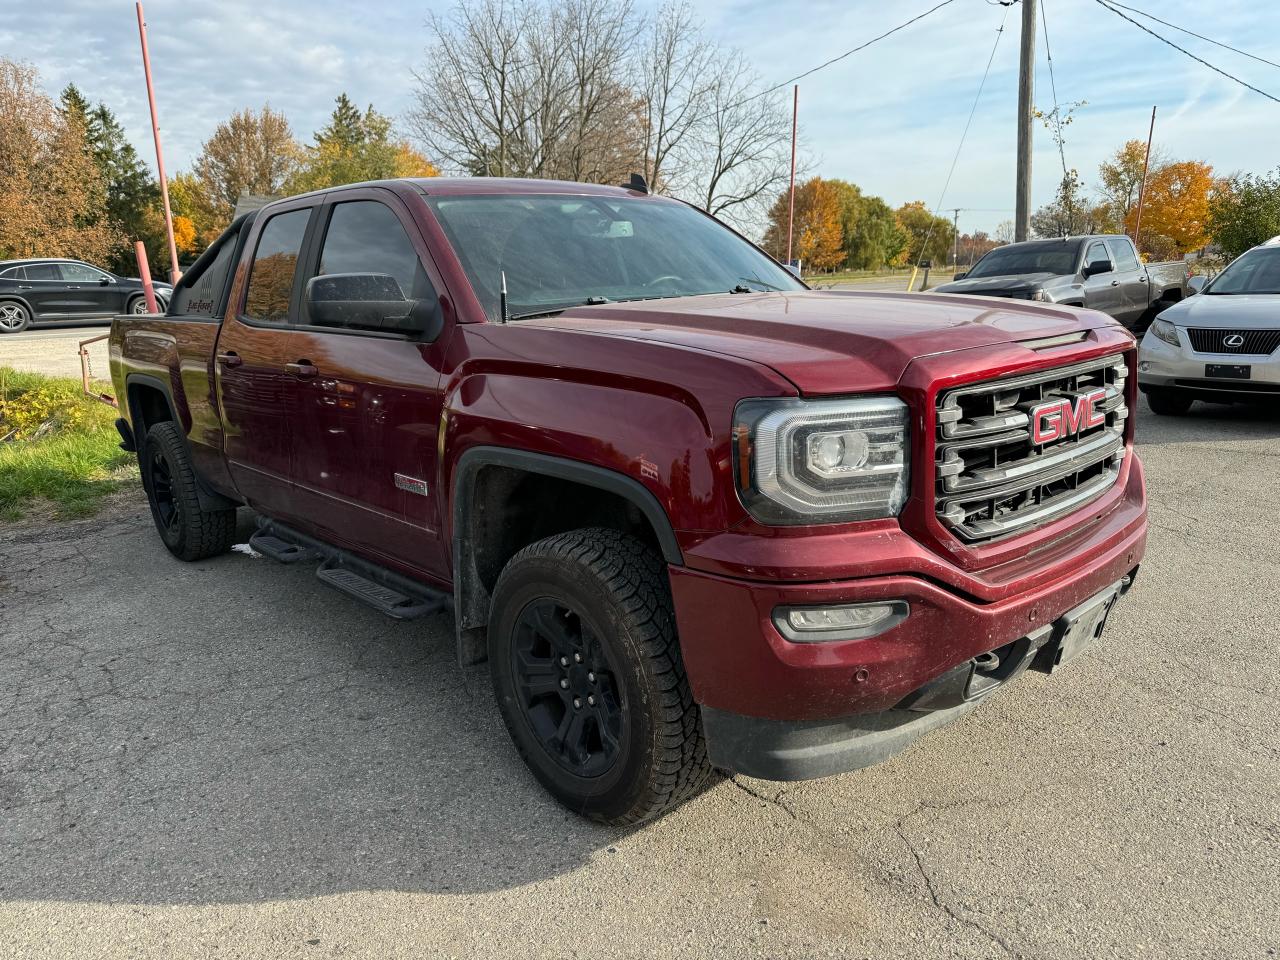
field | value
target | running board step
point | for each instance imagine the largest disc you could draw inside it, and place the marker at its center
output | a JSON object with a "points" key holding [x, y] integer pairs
{"points": [[392, 602], [281, 551]]}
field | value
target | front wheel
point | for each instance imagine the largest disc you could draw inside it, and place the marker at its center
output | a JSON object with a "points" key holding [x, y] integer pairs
{"points": [[138, 305], [190, 532], [14, 317], [588, 676], [1168, 402]]}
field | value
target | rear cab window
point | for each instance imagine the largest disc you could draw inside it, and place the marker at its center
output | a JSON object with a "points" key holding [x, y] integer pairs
{"points": [[274, 269], [201, 291]]}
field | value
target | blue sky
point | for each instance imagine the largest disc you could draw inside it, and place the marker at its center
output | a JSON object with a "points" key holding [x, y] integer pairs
{"points": [[889, 118]]}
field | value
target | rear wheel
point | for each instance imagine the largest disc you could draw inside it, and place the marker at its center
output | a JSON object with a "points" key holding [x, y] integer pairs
{"points": [[14, 317], [137, 305], [1168, 402], [588, 676], [189, 532]]}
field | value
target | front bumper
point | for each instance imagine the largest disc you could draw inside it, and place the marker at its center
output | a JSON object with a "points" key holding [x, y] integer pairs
{"points": [[1162, 365], [795, 710]]}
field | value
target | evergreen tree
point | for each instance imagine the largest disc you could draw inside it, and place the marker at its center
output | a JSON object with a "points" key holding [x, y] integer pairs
{"points": [[354, 147]]}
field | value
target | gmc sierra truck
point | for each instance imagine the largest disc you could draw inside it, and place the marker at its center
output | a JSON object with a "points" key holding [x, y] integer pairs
{"points": [[695, 515], [1101, 272]]}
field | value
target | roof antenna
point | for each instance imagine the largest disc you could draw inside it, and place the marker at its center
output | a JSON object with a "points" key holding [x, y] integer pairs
{"points": [[637, 182], [502, 295]]}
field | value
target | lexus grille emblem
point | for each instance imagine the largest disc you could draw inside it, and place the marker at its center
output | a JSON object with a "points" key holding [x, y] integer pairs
{"points": [[1234, 340]]}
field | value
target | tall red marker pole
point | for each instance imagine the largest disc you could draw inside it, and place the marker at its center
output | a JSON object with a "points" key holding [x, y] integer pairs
{"points": [[174, 273], [1142, 189], [791, 211]]}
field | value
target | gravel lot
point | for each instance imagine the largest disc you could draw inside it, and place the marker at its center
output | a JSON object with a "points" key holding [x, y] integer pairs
{"points": [[54, 350], [227, 759]]}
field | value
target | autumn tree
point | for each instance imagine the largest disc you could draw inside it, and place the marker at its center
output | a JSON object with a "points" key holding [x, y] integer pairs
{"points": [[1072, 212], [1176, 205], [1245, 211], [817, 240], [870, 234], [251, 153], [354, 147], [928, 236], [1120, 177], [52, 194]]}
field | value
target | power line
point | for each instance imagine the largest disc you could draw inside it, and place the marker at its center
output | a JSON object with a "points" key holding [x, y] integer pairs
{"points": [[956, 159], [847, 53], [1048, 53], [1198, 36], [1165, 40]]}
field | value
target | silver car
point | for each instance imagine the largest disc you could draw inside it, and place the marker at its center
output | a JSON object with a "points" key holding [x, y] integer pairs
{"points": [[1221, 344]]}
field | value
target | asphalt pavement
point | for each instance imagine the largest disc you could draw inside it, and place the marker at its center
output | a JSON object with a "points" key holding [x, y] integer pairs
{"points": [[228, 759], [54, 349]]}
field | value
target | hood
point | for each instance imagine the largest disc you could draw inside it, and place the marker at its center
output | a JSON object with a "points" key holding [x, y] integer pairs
{"points": [[827, 341], [1007, 283], [1219, 311]]}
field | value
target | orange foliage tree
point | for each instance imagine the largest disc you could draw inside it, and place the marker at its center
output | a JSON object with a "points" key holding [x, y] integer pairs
{"points": [[818, 241], [1176, 204]]}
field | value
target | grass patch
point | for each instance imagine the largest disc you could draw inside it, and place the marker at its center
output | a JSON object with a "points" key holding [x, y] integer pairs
{"points": [[56, 447]]}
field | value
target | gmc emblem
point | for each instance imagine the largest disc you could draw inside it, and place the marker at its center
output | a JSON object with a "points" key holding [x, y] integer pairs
{"points": [[1065, 417]]}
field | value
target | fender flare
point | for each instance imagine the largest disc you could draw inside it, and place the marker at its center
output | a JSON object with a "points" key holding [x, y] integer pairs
{"points": [[471, 612], [209, 498]]}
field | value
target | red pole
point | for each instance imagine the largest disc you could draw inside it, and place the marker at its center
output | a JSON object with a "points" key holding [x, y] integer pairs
{"points": [[174, 273], [144, 271], [791, 210], [1142, 189]]}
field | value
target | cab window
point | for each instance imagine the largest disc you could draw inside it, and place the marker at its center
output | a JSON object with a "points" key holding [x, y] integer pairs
{"points": [[1122, 253], [274, 264]]}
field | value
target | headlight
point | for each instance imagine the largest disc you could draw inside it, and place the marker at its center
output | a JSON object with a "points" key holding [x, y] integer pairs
{"points": [[821, 461], [1036, 294], [1166, 331]]}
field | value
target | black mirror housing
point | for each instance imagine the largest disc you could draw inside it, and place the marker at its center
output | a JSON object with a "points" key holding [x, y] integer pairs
{"points": [[370, 301], [1095, 267]]}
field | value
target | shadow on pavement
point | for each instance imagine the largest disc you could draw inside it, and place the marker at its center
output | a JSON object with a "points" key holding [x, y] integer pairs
{"points": [[234, 731]]}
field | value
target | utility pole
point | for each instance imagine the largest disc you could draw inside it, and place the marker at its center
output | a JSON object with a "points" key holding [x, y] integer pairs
{"points": [[1142, 188], [1026, 106], [791, 208], [955, 236], [174, 272]]}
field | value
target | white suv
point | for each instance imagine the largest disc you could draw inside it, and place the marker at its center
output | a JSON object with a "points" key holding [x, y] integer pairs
{"points": [[1222, 345]]}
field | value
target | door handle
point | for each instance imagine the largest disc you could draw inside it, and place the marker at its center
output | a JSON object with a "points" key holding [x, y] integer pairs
{"points": [[230, 359], [1142, 279], [1115, 283], [302, 369]]}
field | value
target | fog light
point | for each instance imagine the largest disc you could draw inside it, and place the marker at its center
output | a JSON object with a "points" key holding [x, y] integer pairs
{"points": [[851, 621]]}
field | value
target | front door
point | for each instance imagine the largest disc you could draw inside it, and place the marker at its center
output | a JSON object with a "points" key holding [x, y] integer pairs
{"points": [[256, 377], [1102, 290], [90, 292], [366, 423], [1134, 293]]}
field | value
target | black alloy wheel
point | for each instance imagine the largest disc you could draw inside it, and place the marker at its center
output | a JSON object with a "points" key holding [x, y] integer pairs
{"points": [[568, 688]]}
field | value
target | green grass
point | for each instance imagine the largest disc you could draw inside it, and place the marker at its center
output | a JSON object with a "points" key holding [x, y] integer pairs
{"points": [[71, 457]]}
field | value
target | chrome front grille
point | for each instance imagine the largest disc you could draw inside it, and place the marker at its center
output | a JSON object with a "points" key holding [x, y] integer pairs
{"points": [[993, 479], [1258, 343]]}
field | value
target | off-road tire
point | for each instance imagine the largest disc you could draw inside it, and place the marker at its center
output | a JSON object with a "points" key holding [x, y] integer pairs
{"points": [[189, 532], [1169, 402], [618, 586]]}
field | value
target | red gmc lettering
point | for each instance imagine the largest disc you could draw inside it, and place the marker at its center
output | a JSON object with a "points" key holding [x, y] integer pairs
{"points": [[1056, 419]]}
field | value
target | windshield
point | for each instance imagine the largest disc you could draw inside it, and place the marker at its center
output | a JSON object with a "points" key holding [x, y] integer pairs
{"points": [[559, 251], [1257, 271], [1055, 258]]}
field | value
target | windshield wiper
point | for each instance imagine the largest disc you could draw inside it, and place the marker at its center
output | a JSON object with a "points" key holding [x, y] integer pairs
{"points": [[740, 288], [552, 311]]}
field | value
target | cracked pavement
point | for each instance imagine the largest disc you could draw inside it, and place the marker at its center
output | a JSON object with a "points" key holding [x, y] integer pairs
{"points": [[228, 759]]}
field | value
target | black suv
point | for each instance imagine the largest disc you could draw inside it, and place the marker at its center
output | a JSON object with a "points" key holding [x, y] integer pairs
{"points": [[50, 289]]}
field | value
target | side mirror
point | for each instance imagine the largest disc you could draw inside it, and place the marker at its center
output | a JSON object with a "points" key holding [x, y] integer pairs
{"points": [[370, 301], [1197, 283], [1095, 267], [960, 276], [103, 281]]}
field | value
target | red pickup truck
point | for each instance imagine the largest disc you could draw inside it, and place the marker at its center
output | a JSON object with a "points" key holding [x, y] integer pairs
{"points": [[694, 514]]}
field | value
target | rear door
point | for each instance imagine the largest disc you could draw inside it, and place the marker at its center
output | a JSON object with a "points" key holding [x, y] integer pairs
{"points": [[366, 423], [255, 382], [1102, 290], [1134, 287], [46, 291]]}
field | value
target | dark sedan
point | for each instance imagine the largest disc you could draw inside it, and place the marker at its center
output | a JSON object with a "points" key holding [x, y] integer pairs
{"points": [[32, 291]]}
